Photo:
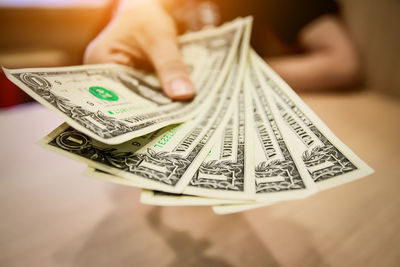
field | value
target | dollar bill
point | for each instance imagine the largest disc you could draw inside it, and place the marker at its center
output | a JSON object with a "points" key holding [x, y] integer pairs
{"points": [[273, 175], [166, 159], [279, 172], [328, 160], [227, 172], [229, 208], [276, 173], [105, 176], [114, 104], [158, 198]]}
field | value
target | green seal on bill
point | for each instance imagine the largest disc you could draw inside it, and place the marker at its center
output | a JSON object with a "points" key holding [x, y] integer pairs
{"points": [[103, 93]]}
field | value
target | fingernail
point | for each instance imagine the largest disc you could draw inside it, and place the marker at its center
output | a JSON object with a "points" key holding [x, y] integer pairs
{"points": [[181, 88]]}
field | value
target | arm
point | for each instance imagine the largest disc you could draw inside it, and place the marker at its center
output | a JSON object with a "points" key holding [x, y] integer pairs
{"points": [[329, 62]]}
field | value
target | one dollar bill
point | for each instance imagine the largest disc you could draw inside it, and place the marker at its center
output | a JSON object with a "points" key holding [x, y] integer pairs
{"points": [[167, 158], [114, 103]]}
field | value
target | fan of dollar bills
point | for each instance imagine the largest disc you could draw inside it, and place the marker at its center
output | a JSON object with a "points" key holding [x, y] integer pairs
{"points": [[246, 140]]}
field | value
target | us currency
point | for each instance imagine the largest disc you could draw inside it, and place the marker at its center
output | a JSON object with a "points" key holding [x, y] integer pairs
{"points": [[227, 172], [105, 176], [328, 160], [279, 173], [114, 104], [273, 173], [166, 159], [229, 208], [158, 198], [274, 168]]}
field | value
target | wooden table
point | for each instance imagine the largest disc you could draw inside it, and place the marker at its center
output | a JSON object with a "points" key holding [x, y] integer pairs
{"points": [[52, 215]]}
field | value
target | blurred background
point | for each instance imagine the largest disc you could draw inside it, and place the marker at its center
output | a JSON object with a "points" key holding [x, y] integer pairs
{"points": [[49, 33], [52, 215], [46, 33]]}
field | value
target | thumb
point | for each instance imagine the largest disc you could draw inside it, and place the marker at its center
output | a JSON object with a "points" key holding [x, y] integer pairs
{"points": [[167, 61]]}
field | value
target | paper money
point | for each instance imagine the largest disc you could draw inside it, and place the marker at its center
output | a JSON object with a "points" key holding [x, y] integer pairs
{"points": [[328, 160], [227, 171], [246, 141], [158, 198], [105, 176], [279, 173], [114, 104], [223, 209], [167, 158]]}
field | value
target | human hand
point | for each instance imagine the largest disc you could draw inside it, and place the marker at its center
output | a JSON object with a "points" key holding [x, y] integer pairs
{"points": [[143, 35]]}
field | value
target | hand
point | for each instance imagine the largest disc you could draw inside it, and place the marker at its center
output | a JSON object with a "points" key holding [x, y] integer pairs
{"points": [[141, 35]]}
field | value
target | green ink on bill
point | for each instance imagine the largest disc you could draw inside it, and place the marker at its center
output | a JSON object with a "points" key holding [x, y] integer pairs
{"points": [[103, 93]]}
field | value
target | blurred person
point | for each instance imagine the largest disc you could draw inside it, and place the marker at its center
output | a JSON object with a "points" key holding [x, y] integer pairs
{"points": [[303, 41]]}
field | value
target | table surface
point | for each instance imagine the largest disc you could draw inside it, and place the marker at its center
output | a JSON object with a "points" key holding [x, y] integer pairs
{"points": [[53, 215]]}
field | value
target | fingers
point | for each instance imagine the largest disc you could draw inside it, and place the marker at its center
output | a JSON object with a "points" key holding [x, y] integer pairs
{"points": [[106, 57], [93, 55], [105, 49], [130, 42], [166, 59], [163, 54]]}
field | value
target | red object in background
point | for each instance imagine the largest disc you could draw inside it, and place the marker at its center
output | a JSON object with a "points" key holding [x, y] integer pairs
{"points": [[10, 94]]}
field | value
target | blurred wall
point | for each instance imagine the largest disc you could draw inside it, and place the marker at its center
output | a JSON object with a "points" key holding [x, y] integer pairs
{"points": [[375, 26], [48, 36], [46, 33], [57, 36]]}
